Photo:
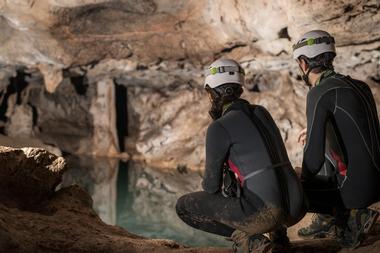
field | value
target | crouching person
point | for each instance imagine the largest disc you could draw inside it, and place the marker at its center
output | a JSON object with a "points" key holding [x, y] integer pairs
{"points": [[341, 163], [250, 187]]}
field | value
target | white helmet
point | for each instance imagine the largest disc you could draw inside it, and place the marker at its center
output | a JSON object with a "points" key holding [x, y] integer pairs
{"points": [[314, 43], [224, 71]]}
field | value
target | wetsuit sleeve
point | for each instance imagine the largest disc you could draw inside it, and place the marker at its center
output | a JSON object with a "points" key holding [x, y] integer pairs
{"points": [[319, 105], [217, 146]]}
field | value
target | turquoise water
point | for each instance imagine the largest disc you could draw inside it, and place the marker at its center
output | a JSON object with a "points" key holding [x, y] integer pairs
{"points": [[138, 198]]}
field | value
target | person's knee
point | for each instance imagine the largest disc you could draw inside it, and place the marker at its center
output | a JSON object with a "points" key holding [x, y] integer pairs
{"points": [[180, 206]]}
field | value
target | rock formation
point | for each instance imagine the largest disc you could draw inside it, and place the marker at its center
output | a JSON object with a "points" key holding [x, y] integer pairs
{"points": [[70, 67], [36, 218], [109, 77]]}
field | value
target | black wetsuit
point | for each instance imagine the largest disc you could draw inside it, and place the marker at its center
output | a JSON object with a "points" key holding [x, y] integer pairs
{"points": [[342, 126], [247, 139]]}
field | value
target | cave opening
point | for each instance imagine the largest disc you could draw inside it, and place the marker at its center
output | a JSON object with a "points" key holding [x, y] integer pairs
{"points": [[80, 84], [121, 101], [16, 85], [284, 34], [34, 114]]}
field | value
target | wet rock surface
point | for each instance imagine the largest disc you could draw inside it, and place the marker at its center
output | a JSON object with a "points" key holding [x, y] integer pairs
{"points": [[64, 220]]}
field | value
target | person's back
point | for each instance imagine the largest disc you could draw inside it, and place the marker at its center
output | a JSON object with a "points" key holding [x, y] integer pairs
{"points": [[342, 131], [258, 157], [249, 185], [349, 106]]}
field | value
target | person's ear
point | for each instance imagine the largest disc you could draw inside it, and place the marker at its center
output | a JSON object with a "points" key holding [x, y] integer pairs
{"points": [[303, 65]]}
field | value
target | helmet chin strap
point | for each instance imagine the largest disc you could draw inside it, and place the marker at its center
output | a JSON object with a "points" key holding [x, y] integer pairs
{"points": [[305, 76]]}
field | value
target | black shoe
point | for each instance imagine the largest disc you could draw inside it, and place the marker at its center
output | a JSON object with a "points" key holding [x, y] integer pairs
{"points": [[359, 223], [259, 244], [280, 240], [322, 226], [250, 244]]}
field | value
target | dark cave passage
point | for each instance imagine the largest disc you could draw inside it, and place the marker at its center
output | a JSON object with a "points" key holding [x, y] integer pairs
{"points": [[121, 99], [16, 85], [80, 84]]}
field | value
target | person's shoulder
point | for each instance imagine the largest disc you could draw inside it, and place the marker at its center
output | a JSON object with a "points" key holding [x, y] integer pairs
{"points": [[336, 80], [263, 113], [359, 82], [216, 129], [345, 81], [325, 87], [259, 108], [216, 125]]}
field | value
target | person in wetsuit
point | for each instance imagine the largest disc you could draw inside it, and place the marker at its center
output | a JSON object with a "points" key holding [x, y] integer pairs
{"points": [[249, 185], [343, 133]]}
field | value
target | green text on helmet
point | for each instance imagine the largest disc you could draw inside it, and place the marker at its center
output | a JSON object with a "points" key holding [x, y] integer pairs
{"points": [[314, 43], [224, 71]]}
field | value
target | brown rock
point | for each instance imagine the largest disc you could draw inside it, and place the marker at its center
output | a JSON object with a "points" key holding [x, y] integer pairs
{"points": [[52, 76], [28, 176], [158, 49], [61, 221]]}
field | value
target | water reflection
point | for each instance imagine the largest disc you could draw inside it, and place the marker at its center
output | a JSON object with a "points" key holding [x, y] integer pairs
{"points": [[139, 198]]}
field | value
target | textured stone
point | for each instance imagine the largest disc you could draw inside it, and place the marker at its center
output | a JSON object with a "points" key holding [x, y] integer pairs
{"points": [[36, 218], [20, 122], [20, 142], [158, 50], [28, 176], [104, 119], [52, 76]]}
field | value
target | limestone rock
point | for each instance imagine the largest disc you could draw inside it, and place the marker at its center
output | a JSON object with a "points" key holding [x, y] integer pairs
{"points": [[20, 122], [104, 119], [20, 142], [64, 220], [52, 76], [28, 176], [158, 50]]}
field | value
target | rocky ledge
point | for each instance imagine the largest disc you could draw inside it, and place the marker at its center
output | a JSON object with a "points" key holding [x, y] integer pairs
{"points": [[35, 217]]}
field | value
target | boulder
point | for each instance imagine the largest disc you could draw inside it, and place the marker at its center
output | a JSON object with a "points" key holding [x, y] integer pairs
{"points": [[28, 176]]}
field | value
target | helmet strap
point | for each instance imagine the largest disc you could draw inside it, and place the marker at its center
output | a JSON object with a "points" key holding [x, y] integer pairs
{"points": [[305, 76]]}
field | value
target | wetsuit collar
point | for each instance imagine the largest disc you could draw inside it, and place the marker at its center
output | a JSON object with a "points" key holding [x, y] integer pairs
{"points": [[225, 108], [324, 75], [238, 104]]}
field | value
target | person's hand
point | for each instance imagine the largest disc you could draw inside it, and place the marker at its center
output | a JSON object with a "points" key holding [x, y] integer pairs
{"points": [[298, 171], [302, 137]]}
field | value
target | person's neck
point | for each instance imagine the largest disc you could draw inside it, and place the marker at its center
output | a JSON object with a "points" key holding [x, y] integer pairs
{"points": [[314, 77], [225, 107]]}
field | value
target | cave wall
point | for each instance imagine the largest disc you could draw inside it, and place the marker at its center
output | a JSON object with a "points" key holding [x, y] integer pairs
{"points": [[73, 53]]}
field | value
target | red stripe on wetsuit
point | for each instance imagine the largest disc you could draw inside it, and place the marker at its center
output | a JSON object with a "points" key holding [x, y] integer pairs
{"points": [[341, 166], [236, 170]]}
